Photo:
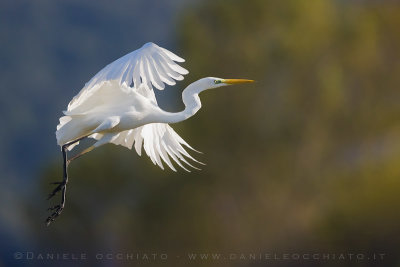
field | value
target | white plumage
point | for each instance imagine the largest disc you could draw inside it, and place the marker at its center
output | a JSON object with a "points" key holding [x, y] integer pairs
{"points": [[109, 89], [118, 106]]}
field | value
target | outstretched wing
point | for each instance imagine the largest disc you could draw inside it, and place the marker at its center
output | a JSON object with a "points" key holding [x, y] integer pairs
{"points": [[142, 70], [150, 65], [159, 140]]}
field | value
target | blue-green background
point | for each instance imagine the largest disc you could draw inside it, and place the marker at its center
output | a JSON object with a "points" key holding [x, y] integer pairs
{"points": [[305, 160]]}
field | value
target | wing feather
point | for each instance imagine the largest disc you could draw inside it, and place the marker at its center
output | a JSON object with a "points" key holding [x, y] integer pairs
{"points": [[163, 73], [160, 142], [138, 139], [154, 76], [172, 55], [151, 65], [136, 75]]}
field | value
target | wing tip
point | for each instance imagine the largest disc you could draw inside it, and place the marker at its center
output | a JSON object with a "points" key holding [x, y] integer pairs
{"points": [[149, 44]]}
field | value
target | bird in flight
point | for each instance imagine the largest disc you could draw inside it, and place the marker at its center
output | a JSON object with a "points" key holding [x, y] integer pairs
{"points": [[118, 106]]}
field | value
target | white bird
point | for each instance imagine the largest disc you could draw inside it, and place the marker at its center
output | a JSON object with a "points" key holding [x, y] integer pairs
{"points": [[118, 106]]}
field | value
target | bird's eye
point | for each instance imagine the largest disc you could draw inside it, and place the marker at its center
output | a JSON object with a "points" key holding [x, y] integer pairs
{"points": [[217, 81]]}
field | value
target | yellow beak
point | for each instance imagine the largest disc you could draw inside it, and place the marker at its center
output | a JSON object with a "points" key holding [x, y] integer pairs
{"points": [[237, 81]]}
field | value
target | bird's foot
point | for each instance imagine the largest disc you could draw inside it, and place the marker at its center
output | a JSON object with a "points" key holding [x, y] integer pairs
{"points": [[60, 186], [58, 208], [57, 211]]}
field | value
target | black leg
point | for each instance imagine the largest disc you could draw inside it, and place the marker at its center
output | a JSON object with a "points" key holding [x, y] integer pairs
{"points": [[61, 186]]}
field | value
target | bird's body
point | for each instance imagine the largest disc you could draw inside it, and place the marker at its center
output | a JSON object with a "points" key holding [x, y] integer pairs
{"points": [[118, 106], [126, 109]]}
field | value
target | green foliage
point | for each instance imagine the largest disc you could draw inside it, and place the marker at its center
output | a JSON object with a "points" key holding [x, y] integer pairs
{"points": [[318, 135]]}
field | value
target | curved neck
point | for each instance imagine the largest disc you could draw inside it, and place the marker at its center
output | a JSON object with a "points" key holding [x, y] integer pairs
{"points": [[191, 99]]}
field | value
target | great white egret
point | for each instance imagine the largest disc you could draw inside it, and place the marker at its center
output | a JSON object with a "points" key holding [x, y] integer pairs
{"points": [[118, 106]]}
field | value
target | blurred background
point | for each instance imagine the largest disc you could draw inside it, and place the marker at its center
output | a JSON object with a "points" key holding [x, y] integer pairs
{"points": [[307, 160]]}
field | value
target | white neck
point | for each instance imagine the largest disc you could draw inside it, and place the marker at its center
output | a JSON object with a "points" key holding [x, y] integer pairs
{"points": [[191, 99]]}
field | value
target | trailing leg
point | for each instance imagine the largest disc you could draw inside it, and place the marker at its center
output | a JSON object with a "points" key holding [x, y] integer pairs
{"points": [[62, 186]]}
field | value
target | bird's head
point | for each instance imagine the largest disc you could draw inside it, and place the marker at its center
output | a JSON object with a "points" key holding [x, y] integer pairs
{"points": [[213, 82]]}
